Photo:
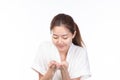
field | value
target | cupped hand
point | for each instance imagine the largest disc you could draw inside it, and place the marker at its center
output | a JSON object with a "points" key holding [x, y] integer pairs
{"points": [[52, 65], [64, 65], [56, 65]]}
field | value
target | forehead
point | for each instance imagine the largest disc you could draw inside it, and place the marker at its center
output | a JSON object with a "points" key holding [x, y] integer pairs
{"points": [[60, 30]]}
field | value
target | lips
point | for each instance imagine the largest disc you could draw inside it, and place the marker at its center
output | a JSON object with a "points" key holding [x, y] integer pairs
{"points": [[60, 46]]}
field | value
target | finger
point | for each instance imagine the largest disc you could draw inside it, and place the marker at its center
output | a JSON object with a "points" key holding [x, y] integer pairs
{"points": [[50, 64], [58, 65], [64, 65], [53, 66]]}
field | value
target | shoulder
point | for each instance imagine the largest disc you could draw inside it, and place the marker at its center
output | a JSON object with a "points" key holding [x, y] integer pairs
{"points": [[78, 48], [79, 51]]}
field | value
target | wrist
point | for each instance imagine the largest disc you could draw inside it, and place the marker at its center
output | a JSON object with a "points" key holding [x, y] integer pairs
{"points": [[51, 72]]}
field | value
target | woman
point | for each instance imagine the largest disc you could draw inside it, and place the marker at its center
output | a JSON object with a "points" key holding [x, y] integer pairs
{"points": [[65, 57]]}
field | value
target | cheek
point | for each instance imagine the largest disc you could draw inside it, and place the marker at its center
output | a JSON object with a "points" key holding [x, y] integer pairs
{"points": [[55, 42], [68, 41]]}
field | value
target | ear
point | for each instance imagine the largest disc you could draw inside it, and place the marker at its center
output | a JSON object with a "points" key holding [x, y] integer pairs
{"points": [[74, 34]]}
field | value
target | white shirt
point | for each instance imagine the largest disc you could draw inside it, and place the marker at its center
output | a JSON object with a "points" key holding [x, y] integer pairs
{"points": [[76, 58]]}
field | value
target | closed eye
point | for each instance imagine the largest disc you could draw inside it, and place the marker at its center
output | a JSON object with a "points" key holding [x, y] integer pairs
{"points": [[65, 37], [55, 37]]}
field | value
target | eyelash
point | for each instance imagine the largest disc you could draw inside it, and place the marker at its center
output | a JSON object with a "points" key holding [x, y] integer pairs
{"points": [[65, 37], [57, 37]]}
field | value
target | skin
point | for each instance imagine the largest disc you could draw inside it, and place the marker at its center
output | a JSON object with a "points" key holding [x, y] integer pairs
{"points": [[62, 39]]}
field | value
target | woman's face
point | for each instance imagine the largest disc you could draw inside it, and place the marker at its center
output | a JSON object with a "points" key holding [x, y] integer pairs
{"points": [[62, 38]]}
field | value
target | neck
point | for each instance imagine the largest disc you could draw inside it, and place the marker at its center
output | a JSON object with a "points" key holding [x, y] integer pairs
{"points": [[63, 55]]}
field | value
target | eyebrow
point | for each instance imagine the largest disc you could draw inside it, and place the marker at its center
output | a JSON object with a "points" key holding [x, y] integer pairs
{"points": [[54, 34], [61, 35]]}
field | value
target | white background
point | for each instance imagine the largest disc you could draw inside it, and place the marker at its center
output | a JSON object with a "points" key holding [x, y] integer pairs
{"points": [[25, 23]]}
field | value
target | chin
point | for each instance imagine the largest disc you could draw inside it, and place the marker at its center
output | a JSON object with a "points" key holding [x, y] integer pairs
{"points": [[61, 49]]}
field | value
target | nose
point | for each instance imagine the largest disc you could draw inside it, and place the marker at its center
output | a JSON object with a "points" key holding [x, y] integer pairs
{"points": [[60, 40]]}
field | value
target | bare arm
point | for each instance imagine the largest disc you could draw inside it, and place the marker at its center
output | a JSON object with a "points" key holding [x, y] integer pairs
{"points": [[50, 72], [48, 76], [52, 68], [65, 73]]}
